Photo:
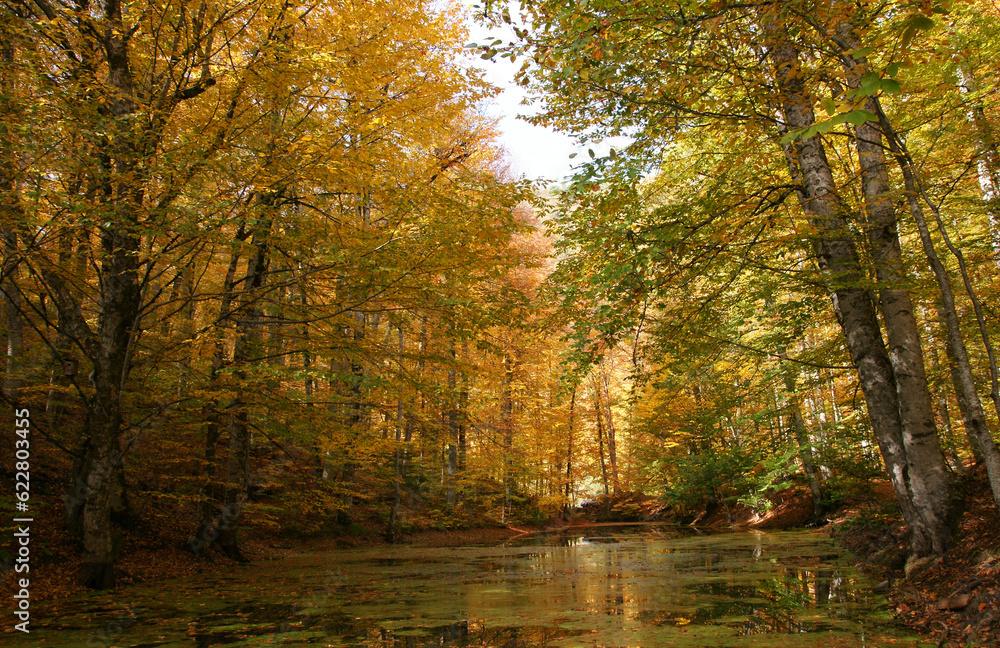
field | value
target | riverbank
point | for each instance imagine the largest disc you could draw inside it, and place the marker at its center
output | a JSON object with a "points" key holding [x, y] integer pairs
{"points": [[157, 557], [955, 599], [952, 600]]}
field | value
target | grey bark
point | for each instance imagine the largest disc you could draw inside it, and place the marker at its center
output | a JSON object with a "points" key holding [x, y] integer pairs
{"points": [[839, 262], [612, 437], [508, 429], [956, 341], [569, 456], [930, 481], [598, 417], [804, 443], [398, 460], [210, 512]]}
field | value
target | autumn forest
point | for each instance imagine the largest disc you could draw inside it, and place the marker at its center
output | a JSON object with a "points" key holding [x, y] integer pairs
{"points": [[267, 271]]}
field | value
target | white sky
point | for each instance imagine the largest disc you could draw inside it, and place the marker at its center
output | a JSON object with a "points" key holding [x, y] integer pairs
{"points": [[535, 151]]}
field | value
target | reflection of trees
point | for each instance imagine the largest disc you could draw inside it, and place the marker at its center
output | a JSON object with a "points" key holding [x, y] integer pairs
{"points": [[795, 589], [824, 586], [466, 633]]}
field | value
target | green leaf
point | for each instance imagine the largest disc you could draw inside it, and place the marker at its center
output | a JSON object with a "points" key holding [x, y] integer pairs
{"points": [[923, 22], [891, 86], [892, 69], [829, 106], [590, 152], [859, 117], [870, 83]]}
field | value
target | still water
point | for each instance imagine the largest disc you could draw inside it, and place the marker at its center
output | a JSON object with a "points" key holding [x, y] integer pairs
{"points": [[602, 587]]}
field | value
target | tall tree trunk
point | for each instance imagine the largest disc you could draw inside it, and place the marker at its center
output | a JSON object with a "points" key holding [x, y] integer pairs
{"points": [[248, 349], [956, 341], [11, 221], [945, 413], [356, 418], [567, 505], [398, 460], [930, 481], [210, 494], [463, 411], [451, 452], [186, 280], [804, 443], [13, 378], [508, 430], [65, 365], [598, 417], [612, 440], [308, 382], [839, 262], [972, 421]]}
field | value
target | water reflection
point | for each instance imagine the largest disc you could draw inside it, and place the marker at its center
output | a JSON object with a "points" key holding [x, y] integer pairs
{"points": [[639, 588]]}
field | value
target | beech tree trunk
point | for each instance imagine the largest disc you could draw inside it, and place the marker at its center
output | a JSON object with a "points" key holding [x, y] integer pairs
{"points": [[804, 444], [248, 349], [612, 440], [838, 260], [451, 452], [210, 495], [977, 425], [930, 481], [569, 456], [598, 417], [508, 429], [11, 217], [356, 416], [398, 461]]}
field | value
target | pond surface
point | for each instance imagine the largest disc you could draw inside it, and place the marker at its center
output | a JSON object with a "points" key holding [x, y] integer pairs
{"points": [[641, 588]]}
